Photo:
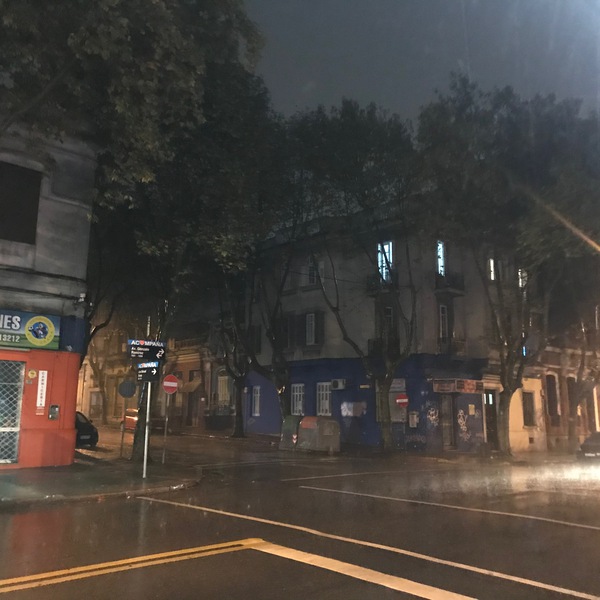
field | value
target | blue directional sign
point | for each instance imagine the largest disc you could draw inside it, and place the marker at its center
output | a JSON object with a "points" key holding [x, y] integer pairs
{"points": [[148, 371]]}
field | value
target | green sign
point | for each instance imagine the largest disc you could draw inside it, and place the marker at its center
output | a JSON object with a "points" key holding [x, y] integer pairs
{"points": [[29, 330]]}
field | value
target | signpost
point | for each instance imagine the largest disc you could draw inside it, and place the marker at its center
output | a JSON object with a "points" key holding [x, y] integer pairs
{"points": [[147, 349], [148, 371], [170, 384], [402, 399], [152, 351]]}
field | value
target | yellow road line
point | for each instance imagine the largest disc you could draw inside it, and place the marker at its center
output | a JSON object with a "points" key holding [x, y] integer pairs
{"points": [[53, 577], [385, 547]]}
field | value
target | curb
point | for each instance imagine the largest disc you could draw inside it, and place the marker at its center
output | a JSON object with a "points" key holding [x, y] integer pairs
{"points": [[97, 496]]}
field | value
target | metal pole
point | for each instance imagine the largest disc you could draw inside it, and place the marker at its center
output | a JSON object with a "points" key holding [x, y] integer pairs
{"points": [[147, 431], [166, 428], [123, 427]]}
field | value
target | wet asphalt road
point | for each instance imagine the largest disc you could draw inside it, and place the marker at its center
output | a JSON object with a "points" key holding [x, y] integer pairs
{"points": [[267, 524]]}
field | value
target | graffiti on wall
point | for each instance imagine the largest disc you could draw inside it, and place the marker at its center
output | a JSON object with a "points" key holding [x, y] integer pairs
{"points": [[433, 417], [462, 418]]}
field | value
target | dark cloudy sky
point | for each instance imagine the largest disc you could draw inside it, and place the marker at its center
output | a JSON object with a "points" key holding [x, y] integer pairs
{"points": [[397, 52]]}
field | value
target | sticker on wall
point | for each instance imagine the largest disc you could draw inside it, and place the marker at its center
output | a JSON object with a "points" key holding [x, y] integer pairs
{"points": [[40, 404], [29, 330], [31, 374]]}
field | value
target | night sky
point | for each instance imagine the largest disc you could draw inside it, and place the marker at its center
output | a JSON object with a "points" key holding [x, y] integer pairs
{"points": [[396, 53]]}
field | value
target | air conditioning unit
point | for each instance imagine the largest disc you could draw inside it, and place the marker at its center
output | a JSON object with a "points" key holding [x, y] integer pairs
{"points": [[338, 384]]}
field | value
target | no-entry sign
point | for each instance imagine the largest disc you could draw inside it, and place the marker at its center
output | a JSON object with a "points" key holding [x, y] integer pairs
{"points": [[170, 384], [401, 399]]}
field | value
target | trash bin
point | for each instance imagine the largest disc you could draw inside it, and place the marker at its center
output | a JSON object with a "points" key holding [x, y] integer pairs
{"points": [[319, 434], [289, 432]]}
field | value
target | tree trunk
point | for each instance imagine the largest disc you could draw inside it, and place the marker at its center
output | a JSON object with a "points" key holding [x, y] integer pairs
{"points": [[573, 440], [285, 401], [384, 417], [504, 399], [238, 422]]}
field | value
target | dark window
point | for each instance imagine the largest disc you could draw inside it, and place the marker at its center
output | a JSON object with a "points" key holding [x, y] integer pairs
{"points": [[528, 410], [552, 400], [19, 200]]}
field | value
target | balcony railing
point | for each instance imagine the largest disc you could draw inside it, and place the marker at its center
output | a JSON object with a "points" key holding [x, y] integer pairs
{"points": [[452, 346], [376, 283]]}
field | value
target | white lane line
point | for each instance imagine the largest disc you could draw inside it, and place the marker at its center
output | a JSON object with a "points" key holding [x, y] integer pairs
{"points": [[399, 584], [455, 507], [401, 551], [403, 471]]}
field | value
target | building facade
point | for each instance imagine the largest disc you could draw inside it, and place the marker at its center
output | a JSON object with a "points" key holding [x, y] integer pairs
{"points": [[341, 302], [45, 207]]}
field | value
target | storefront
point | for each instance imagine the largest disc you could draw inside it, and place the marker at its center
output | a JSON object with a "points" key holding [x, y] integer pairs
{"points": [[39, 365]]}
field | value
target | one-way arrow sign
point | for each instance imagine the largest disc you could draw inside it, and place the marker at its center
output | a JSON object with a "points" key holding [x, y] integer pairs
{"points": [[148, 371]]}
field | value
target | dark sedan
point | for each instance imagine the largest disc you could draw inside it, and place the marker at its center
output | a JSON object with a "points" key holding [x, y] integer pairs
{"points": [[87, 434], [590, 448]]}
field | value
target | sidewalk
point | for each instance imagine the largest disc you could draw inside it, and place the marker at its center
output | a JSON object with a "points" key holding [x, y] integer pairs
{"points": [[102, 473]]}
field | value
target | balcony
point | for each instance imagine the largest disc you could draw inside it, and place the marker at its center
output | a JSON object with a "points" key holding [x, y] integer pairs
{"points": [[452, 346], [450, 283], [376, 283]]}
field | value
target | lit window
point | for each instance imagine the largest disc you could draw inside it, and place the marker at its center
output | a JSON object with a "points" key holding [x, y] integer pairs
{"points": [[385, 260], [494, 269], [522, 275], [441, 258], [324, 399], [491, 269], [256, 401], [297, 398]]}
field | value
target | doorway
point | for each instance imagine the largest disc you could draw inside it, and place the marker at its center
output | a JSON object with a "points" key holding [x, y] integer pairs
{"points": [[491, 418], [11, 395], [447, 419]]}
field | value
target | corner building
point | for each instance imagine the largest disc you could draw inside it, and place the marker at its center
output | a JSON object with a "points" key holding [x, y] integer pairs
{"points": [[45, 206]]}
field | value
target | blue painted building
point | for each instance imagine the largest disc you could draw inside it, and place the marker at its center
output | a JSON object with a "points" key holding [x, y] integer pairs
{"points": [[441, 414]]}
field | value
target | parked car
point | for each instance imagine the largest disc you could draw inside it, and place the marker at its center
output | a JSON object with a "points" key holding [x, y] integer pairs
{"points": [[87, 434], [590, 448]]}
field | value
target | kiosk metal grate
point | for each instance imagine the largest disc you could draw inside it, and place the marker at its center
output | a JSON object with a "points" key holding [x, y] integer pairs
{"points": [[11, 393]]}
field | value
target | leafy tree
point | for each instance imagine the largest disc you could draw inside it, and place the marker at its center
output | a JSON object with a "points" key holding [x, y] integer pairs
{"points": [[495, 162], [355, 167], [127, 75]]}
